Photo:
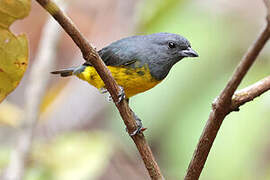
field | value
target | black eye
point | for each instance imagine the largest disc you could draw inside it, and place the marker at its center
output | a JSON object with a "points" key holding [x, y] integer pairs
{"points": [[172, 45]]}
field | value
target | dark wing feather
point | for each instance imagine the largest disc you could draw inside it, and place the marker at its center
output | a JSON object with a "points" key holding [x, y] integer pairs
{"points": [[122, 52], [114, 57]]}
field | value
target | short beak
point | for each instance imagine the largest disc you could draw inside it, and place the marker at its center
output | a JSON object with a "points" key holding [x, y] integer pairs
{"points": [[189, 52]]}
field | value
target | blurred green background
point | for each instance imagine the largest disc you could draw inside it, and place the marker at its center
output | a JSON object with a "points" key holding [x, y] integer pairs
{"points": [[81, 136]]}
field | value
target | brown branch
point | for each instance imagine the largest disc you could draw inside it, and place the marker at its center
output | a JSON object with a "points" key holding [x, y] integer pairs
{"points": [[91, 55], [249, 93], [222, 105]]}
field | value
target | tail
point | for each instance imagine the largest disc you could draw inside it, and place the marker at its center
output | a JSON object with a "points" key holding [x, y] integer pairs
{"points": [[70, 71]]}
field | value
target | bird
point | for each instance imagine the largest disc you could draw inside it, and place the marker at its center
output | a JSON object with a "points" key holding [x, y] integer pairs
{"points": [[137, 63]]}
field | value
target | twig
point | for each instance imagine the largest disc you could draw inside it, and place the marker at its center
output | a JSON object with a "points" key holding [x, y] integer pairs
{"points": [[249, 93], [91, 55], [222, 106], [38, 80]]}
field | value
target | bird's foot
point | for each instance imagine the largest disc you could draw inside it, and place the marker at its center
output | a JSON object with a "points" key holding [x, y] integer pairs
{"points": [[121, 96], [140, 127], [103, 90]]}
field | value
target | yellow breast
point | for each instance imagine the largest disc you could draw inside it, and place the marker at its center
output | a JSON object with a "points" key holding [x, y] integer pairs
{"points": [[133, 80]]}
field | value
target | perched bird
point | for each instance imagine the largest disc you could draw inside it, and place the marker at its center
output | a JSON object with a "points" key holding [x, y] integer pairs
{"points": [[137, 63]]}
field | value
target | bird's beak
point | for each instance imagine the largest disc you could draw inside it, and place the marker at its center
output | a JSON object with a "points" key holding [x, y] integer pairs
{"points": [[189, 52]]}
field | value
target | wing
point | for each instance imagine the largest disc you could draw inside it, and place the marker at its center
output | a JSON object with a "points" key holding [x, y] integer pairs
{"points": [[124, 52], [116, 56]]}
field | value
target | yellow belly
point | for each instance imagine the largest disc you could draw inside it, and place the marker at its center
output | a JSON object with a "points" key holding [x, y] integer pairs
{"points": [[133, 80]]}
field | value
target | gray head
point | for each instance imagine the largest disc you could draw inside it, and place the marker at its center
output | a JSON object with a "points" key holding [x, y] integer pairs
{"points": [[163, 50]]}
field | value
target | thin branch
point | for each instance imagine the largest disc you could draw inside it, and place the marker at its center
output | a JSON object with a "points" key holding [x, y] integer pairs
{"points": [[222, 105], [38, 80], [249, 93], [91, 55]]}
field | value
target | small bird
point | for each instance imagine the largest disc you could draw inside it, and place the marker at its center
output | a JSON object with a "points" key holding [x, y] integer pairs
{"points": [[137, 63]]}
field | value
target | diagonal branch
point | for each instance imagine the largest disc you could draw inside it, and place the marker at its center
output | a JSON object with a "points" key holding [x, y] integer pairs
{"points": [[249, 93], [222, 105], [91, 55]]}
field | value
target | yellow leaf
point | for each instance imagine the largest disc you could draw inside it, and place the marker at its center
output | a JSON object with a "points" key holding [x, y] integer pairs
{"points": [[13, 49]]}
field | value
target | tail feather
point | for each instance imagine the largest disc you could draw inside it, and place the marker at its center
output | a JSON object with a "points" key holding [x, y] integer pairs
{"points": [[70, 71], [64, 72]]}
